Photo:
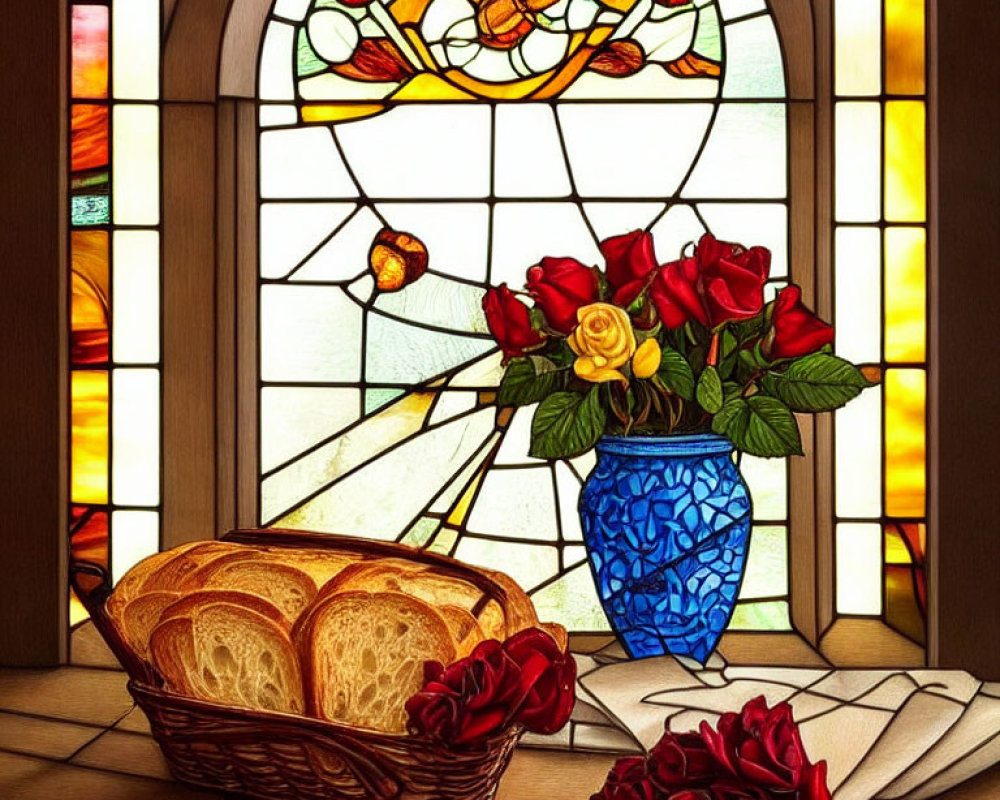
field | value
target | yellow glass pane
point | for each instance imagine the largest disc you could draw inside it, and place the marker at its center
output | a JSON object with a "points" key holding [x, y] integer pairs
{"points": [[136, 165], [905, 442], [859, 568], [135, 49], [904, 46], [858, 160], [895, 548], [905, 156], [905, 294], [858, 47], [89, 442]]}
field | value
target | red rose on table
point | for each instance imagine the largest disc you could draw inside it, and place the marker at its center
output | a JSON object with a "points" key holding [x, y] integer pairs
{"points": [[547, 678], [730, 789], [681, 760], [722, 282], [509, 322], [469, 700], [796, 331], [560, 286], [761, 747], [630, 259], [628, 780]]}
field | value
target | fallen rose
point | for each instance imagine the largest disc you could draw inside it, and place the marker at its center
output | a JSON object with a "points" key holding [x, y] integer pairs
{"points": [[510, 322], [397, 259], [628, 780], [560, 286], [681, 761], [547, 678]]}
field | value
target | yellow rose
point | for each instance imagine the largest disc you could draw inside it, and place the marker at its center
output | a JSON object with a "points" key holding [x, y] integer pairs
{"points": [[603, 340], [646, 360]]}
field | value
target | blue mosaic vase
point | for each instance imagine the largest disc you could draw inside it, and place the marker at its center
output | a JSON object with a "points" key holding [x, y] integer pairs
{"points": [[666, 521]]}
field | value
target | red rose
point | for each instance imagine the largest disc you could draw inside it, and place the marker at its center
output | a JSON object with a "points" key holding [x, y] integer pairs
{"points": [[627, 780], [630, 259], [509, 322], [469, 700], [560, 286], [762, 747], [796, 331], [681, 761], [672, 3], [723, 282], [732, 789], [547, 679], [691, 794]]}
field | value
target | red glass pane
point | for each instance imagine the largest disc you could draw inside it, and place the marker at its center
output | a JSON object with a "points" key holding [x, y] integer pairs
{"points": [[89, 535], [90, 51]]}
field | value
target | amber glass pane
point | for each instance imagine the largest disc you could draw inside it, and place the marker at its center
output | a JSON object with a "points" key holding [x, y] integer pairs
{"points": [[89, 445], [90, 138], [89, 298], [904, 46], [905, 294], [90, 51], [905, 579], [905, 168], [905, 442]]}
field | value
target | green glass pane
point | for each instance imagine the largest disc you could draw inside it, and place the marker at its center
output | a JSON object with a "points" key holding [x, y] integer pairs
{"points": [[308, 63], [376, 398], [708, 39], [90, 210], [421, 532]]}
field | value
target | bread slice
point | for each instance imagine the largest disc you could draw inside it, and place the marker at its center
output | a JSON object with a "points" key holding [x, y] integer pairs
{"points": [[520, 611], [226, 653], [320, 565], [190, 604], [130, 585], [465, 630], [288, 588], [171, 575], [139, 616], [363, 656]]}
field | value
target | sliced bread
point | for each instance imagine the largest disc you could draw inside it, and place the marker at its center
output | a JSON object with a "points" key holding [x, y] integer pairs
{"points": [[287, 587]]}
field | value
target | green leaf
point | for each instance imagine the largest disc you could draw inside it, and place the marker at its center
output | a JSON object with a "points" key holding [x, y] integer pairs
{"points": [[730, 390], [818, 382], [528, 380], [567, 424], [675, 373], [759, 425], [727, 353], [709, 391]]}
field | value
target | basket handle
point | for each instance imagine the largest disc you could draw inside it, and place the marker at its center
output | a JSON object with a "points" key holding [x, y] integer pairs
{"points": [[92, 584]]}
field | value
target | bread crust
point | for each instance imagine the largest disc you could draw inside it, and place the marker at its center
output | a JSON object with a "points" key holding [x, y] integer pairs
{"points": [[140, 616], [189, 605]]}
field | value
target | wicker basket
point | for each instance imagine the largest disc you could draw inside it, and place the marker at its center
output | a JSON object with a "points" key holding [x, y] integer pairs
{"points": [[274, 755]]}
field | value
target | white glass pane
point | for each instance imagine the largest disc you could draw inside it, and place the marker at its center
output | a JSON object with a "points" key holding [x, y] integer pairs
{"points": [[858, 49], [859, 568], [612, 219], [440, 302], [858, 434], [345, 256], [752, 224], [767, 563], [648, 166], [309, 333], [732, 9], [516, 503], [136, 164], [454, 500], [276, 63], [676, 231], [135, 535], [456, 234], [294, 418], [289, 232], [407, 354], [446, 152], [528, 564], [451, 404], [572, 602], [858, 162], [484, 373], [769, 615], [303, 163], [568, 489], [135, 49], [652, 82], [745, 154], [538, 170], [667, 39], [524, 233], [292, 9], [517, 439], [754, 67], [858, 295], [135, 437], [348, 506], [278, 115], [768, 482], [136, 313]]}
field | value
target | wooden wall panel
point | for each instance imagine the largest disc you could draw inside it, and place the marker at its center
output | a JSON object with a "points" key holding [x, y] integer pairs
{"points": [[965, 380], [191, 58], [33, 347], [189, 287]]}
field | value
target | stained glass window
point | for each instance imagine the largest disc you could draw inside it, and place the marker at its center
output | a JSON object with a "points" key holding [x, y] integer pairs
{"points": [[881, 310], [115, 283], [591, 119]]}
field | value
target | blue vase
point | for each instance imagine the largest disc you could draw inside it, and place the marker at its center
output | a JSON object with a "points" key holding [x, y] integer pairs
{"points": [[666, 521]]}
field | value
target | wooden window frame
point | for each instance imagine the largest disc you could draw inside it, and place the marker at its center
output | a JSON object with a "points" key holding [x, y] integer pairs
{"points": [[209, 383]]}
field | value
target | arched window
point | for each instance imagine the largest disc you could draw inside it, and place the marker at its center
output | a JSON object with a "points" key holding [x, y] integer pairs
{"points": [[590, 120]]}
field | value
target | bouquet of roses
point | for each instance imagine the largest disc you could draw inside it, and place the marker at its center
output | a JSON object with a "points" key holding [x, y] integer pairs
{"points": [[685, 347], [754, 755]]}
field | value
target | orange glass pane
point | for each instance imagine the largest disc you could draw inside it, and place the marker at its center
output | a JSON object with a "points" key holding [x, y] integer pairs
{"points": [[89, 443], [89, 298], [905, 155], [905, 294], [905, 442], [89, 137], [89, 535], [90, 51], [904, 46]]}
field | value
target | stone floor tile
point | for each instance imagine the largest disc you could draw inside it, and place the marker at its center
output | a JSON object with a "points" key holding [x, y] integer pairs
{"points": [[78, 694], [87, 648], [135, 721], [125, 752], [43, 737]]}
